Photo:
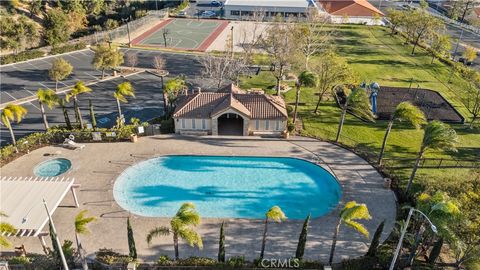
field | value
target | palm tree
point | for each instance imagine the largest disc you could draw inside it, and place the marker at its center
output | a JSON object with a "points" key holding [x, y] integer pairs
{"points": [[407, 112], [5, 229], [437, 136], [78, 89], [13, 112], [61, 102], [81, 222], [46, 97], [276, 214], [349, 214], [173, 88], [124, 89], [182, 225], [358, 103], [305, 78]]}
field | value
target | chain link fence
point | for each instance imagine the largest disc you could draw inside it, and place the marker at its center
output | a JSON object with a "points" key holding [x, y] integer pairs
{"points": [[122, 31]]}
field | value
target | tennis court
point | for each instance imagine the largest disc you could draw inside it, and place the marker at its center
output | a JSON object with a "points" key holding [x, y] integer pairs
{"points": [[184, 34]]}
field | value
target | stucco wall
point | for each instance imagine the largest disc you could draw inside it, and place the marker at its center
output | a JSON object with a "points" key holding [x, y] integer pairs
{"points": [[188, 124], [257, 125]]}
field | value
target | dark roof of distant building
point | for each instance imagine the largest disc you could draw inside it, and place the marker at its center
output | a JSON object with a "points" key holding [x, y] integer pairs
{"points": [[353, 8], [210, 104]]}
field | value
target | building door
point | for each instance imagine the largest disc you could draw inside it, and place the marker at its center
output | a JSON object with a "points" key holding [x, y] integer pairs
{"points": [[230, 124]]}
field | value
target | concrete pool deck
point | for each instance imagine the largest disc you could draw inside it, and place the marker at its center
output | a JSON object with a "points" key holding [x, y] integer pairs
{"points": [[98, 165]]}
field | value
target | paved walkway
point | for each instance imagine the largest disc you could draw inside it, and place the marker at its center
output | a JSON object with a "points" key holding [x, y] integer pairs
{"points": [[97, 166]]}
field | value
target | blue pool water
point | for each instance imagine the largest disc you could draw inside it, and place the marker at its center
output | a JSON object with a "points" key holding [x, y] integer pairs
{"points": [[227, 187], [53, 167]]}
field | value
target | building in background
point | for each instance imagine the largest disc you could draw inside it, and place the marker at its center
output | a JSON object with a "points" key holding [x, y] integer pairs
{"points": [[352, 11], [267, 9]]}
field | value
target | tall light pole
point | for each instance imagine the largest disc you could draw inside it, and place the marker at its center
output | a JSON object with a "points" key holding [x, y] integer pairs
{"points": [[404, 231], [62, 256], [231, 37], [128, 31]]}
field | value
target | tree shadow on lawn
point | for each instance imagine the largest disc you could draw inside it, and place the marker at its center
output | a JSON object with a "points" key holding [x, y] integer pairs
{"points": [[407, 80], [466, 153], [389, 62]]}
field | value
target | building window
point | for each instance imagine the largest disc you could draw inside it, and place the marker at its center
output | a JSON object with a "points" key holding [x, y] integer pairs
{"points": [[183, 123], [204, 124], [235, 13], [246, 13], [257, 125], [267, 124], [193, 123], [277, 125]]}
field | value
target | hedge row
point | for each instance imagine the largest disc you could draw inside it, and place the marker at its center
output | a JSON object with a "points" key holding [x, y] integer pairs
{"points": [[68, 48], [57, 135], [23, 56], [32, 54]]}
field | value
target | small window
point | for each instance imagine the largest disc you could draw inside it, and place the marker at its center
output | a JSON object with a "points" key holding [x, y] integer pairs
{"points": [[235, 13], [267, 124], [204, 124], [277, 125], [257, 125], [193, 123], [183, 123]]}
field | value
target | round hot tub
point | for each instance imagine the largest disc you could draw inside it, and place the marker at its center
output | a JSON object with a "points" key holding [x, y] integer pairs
{"points": [[53, 167]]}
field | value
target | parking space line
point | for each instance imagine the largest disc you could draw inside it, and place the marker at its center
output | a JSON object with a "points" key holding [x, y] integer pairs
{"points": [[74, 57], [34, 105], [64, 83], [44, 85], [30, 92], [45, 61], [89, 75], [83, 52], [9, 95]]}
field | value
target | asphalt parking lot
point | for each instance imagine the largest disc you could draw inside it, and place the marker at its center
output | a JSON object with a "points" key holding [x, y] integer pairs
{"points": [[23, 80], [147, 104]]}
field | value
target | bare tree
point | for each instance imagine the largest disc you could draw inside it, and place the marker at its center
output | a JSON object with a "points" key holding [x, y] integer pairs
{"points": [[312, 35], [472, 99], [132, 60], [278, 43], [222, 67], [160, 66]]}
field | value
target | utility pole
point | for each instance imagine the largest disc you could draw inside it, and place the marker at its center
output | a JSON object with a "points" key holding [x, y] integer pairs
{"points": [[62, 256], [231, 39]]}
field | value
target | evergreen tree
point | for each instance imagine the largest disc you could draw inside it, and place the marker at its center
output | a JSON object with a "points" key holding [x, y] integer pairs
{"points": [[131, 241], [221, 244], [92, 115], [302, 240], [372, 250], [437, 248]]}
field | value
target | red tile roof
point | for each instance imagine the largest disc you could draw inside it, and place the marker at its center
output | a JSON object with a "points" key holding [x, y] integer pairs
{"points": [[208, 104], [353, 8], [477, 11]]}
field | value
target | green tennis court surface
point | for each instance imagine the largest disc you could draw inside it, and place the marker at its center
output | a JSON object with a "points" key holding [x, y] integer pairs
{"points": [[188, 34]]}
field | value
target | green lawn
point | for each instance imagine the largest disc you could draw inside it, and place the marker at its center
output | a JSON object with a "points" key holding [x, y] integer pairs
{"points": [[376, 56]]}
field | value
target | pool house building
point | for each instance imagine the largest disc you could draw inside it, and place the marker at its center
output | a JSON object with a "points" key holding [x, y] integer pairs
{"points": [[230, 111]]}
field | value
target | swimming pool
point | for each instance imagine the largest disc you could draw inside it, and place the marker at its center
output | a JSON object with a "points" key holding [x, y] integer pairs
{"points": [[53, 167], [227, 187]]}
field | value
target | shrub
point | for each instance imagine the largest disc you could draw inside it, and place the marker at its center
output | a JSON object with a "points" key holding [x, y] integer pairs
{"points": [[68, 48], [19, 260], [360, 263], [108, 256], [164, 260], [167, 126], [197, 261], [23, 56], [289, 109], [290, 126], [235, 262]]}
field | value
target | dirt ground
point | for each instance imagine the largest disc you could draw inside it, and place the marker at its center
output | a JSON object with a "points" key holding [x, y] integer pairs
{"points": [[430, 102]]}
